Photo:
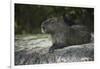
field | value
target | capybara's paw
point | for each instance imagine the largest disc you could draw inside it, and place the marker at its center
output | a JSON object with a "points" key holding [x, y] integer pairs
{"points": [[51, 49]]}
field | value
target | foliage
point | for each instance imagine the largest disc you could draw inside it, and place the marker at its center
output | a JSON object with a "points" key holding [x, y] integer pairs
{"points": [[28, 18]]}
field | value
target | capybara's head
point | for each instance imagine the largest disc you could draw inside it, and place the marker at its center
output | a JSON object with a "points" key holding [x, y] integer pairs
{"points": [[53, 25]]}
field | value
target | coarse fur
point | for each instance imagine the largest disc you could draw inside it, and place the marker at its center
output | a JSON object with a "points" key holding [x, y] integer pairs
{"points": [[64, 35]]}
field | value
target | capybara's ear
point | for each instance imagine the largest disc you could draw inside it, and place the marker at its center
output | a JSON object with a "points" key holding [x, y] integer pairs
{"points": [[68, 20]]}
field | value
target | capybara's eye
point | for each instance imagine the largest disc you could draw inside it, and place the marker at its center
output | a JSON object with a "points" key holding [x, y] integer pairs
{"points": [[52, 22]]}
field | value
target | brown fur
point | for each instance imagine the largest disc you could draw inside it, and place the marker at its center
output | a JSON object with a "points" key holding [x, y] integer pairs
{"points": [[64, 35]]}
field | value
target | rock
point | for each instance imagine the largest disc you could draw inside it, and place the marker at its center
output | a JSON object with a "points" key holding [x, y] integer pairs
{"points": [[75, 53]]}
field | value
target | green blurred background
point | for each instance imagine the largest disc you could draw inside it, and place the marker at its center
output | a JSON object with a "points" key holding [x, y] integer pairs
{"points": [[28, 18]]}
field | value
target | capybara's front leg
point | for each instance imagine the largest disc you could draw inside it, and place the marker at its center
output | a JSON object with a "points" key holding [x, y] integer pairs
{"points": [[56, 46]]}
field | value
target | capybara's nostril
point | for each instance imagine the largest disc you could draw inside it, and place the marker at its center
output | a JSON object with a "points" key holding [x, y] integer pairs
{"points": [[43, 27]]}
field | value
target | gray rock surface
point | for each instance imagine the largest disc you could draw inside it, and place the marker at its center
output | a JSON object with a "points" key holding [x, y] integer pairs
{"points": [[33, 49]]}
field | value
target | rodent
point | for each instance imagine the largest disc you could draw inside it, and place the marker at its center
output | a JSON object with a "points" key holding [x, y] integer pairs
{"points": [[64, 35]]}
